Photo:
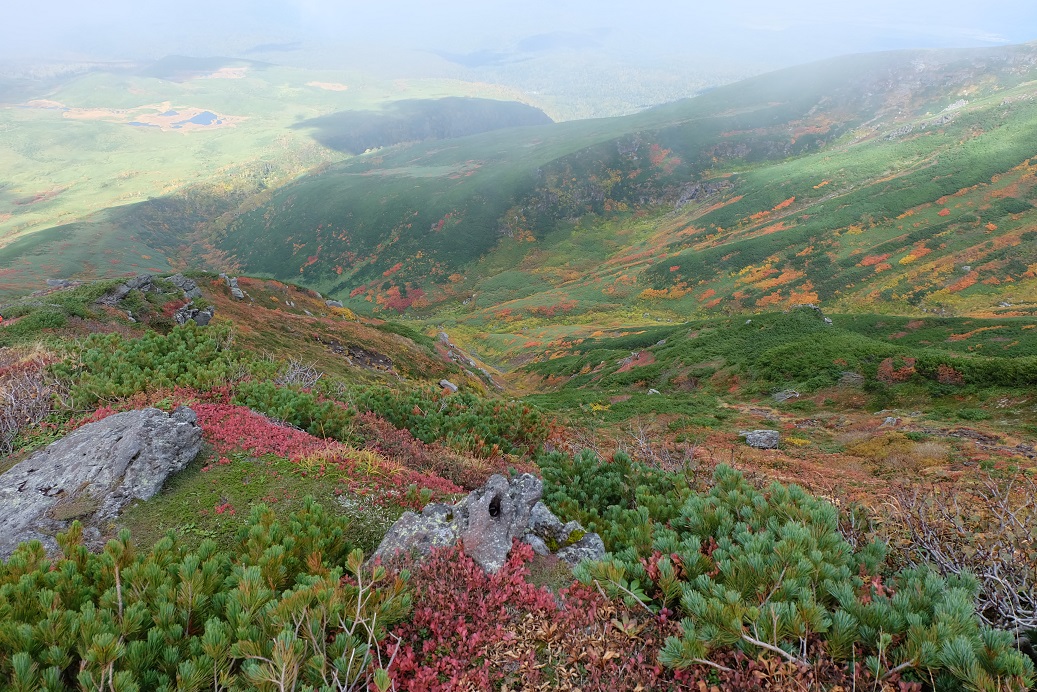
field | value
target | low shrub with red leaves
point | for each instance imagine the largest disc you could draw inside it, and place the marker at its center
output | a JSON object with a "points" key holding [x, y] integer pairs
{"points": [[476, 631], [228, 428]]}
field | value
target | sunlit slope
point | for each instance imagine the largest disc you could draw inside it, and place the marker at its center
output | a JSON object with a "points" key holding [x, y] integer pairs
{"points": [[855, 141], [108, 171]]}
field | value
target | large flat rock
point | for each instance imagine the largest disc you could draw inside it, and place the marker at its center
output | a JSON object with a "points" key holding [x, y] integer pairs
{"points": [[93, 473]]}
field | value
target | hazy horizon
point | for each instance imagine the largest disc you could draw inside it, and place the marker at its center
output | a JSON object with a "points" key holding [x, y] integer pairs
{"points": [[763, 34]]}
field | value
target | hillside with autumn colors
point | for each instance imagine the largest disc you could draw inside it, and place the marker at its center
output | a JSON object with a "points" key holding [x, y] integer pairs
{"points": [[771, 352], [896, 182]]}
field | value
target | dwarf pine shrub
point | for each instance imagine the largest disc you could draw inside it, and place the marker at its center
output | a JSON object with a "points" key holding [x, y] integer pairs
{"points": [[766, 571], [291, 607], [110, 367]]}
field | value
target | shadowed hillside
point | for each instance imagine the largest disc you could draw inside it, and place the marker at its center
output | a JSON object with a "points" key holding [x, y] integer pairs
{"points": [[355, 132]]}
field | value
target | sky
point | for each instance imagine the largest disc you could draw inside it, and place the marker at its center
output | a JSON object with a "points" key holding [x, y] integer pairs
{"points": [[769, 31]]}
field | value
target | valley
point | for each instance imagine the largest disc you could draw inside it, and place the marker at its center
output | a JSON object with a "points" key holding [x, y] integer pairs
{"points": [[773, 348]]}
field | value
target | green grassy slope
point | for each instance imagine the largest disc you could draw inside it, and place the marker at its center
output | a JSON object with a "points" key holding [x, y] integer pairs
{"points": [[86, 193]]}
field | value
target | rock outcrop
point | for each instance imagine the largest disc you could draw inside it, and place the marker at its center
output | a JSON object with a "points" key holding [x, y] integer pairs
{"points": [[93, 473], [143, 283], [761, 439], [188, 312], [232, 284], [188, 286], [487, 521]]}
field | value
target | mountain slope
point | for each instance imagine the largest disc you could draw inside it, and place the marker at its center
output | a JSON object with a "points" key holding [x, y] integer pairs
{"points": [[767, 183]]}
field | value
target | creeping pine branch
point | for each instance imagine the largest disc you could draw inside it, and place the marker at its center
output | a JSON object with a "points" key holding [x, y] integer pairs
{"points": [[296, 373], [775, 649], [993, 538]]}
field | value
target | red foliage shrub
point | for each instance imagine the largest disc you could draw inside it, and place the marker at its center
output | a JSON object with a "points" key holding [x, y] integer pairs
{"points": [[872, 260], [893, 370], [472, 630], [170, 308], [563, 307], [475, 631], [945, 374], [228, 428]]}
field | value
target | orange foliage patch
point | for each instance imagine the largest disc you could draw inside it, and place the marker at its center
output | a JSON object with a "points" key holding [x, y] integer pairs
{"points": [[774, 228], [785, 277], [964, 282], [804, 294], [769, 299], [967, 335], [872, 260], [707, 295], [944, 212], [751, 274]]}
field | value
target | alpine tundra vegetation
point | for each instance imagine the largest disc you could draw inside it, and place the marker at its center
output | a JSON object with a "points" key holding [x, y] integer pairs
{"points": [[491, 349]]}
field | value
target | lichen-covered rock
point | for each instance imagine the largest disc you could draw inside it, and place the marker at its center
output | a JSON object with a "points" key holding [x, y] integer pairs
{"points": [[438, 526], [487, 521], [570, 541], [94, 472], [590, 547], [497, 513], [761, 439]]}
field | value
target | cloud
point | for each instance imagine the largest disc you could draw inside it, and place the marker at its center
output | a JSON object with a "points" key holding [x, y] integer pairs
{"points": [[787, 29]]}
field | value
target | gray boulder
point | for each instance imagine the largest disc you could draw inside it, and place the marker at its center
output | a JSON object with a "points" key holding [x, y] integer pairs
{"points": [[447, 384], [190, 312], [785, 395], [569, 542], [188, 286], [761, 439], [333, 303], [590, 547], [232, 284], [143, 283], [487, 521], [93, 473]]}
